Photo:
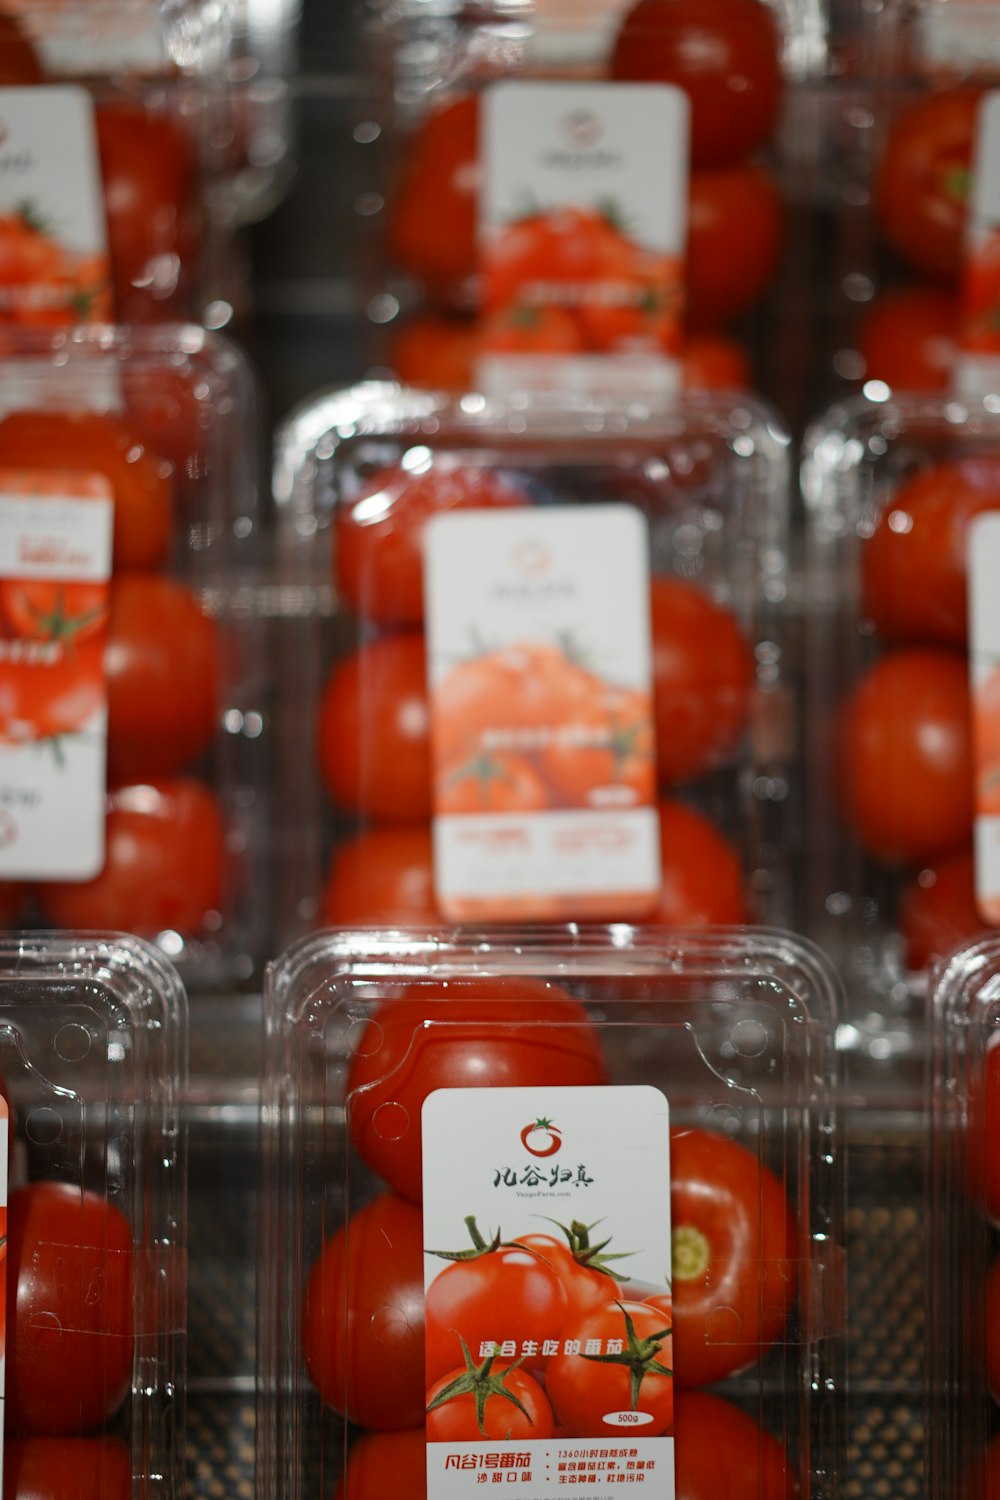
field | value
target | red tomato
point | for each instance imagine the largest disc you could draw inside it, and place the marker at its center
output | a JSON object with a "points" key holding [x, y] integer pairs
{"points": [[148, 170], [456, 1420], [701, 878], [577, 1265], [174, 407], [735, 1256], [605, 757], [164, 864], [724, 54], [531, 330], [383, 877], [378, 537], [721, 1454], [913, 567], [162, 663], [43, 696], [66, 1468], [585, 1391], [363, 1316], [703, 670], [982, 1473], [374, 735], [730, 206], [904, 758], [491, 783], [908, 338], [710, 361], [921, 191], [100, 443], [69, 1310], [992, 1301], [482, 1032], [38, 610], [984, 1130], [578, 248], [19, 63], [938, 910], [433, 210], [382, 1462], [435, 351]]}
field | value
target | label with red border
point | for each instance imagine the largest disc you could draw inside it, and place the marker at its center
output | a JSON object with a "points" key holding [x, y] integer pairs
{"points": [[548, 1315], [977, 367], [583, 224], [984, 682], [540, 690], [55, 566]]}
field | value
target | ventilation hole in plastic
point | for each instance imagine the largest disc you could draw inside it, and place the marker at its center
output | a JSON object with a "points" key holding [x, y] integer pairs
{"points": [[72, 1042], [43, 1127], [725, 1119], [749, 1037], [391, 1121], [364, 1038], [723, 1325], [389, 1325]]}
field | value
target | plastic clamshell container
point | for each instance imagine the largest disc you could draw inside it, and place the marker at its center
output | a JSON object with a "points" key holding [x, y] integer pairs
{"points": [[892, 487], [94, 1064], [261, 64], [707, 479], [166, 415], [735, 1029]]}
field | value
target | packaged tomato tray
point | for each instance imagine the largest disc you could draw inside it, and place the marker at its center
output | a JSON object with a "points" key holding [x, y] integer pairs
{"points": [[550, 1212], [92, 1166], [903, 496], [539, 670], [132, 671]]}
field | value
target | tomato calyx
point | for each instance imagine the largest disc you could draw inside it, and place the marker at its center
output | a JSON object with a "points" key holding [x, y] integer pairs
{"points": [[639, 1356], [479, 1247], [59, 623], [690, 1253], [590, 1256], [479, 1382]]}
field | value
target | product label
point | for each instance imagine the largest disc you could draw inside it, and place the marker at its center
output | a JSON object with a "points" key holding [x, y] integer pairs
{"points": [[55, 563], [583, 225], [984, 669], [548, 1311], [74, 40], [977, 369], [958, 33], [53, 230], [539, 675]]}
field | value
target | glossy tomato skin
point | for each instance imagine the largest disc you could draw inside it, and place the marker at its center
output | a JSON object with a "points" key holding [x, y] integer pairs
{"points": [[921, 189], [374, 731], [66, 1468], [701, 876], [984, 1132], [162, 663], [378, 535], [730, 206], [724, 54], [913, 567], [41, 699], [164, 867], [908, 338], [19, 62], [992, 1302], [382, 877], [938, 910], [381, 1463], [735, 1256], [363, 1316], [490, 1033], [583, 1391], [432, 350], [905, 765], [432, 212], [101, 443], [507, 1293], [69, 1310], [455, 1421], [605, 753], [712, 362], [722, 1454]]}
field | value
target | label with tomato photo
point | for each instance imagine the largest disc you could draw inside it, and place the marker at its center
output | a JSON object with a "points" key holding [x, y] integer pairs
{"points": [[977, 368], [582, 232], [548, 1316], [539, 677], [984, 669], [55, 565], [54, 268]]}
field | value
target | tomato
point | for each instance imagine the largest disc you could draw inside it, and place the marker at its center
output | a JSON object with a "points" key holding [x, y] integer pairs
{"points": [[921, 190], [586, 1391], [100, 443], [505, 1294], [19, 62], [913, 567], [584, 1269], [382, 877], [38, 610], [478, 1032], [435, 351], [701, 877], [982, 1473], [721, 1454], [363, 1316], [735, 1256], [904, 758], [433, 210], [374, 735], [703, 671], [378, 536], [605, 757], [531, 330], [578, 249], [513, 1407], [984, 1129], [164, 864], [148, 170], [66, 1468], [724, 54], [729, 207], [938, 909], [381, 1462], [69, 1309], [491, 783], [908, 337], [992, 1302], [710, 361], [173, 408], [48, 690]]}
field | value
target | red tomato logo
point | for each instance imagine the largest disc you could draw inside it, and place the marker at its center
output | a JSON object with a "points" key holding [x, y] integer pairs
{"points": [[541, 1137]]}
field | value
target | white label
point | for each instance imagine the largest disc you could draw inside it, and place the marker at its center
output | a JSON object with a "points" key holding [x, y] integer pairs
{"points": [[984, 683], [958, 34], [519, 1162], [539, 672], [65, 539], [76, 40], [977, 366]]}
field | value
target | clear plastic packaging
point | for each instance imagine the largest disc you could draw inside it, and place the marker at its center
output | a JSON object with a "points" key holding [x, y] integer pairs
{"points": [[369, 762], [157, 424], [260, 68], [93, 1067], [732, 1031]]}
